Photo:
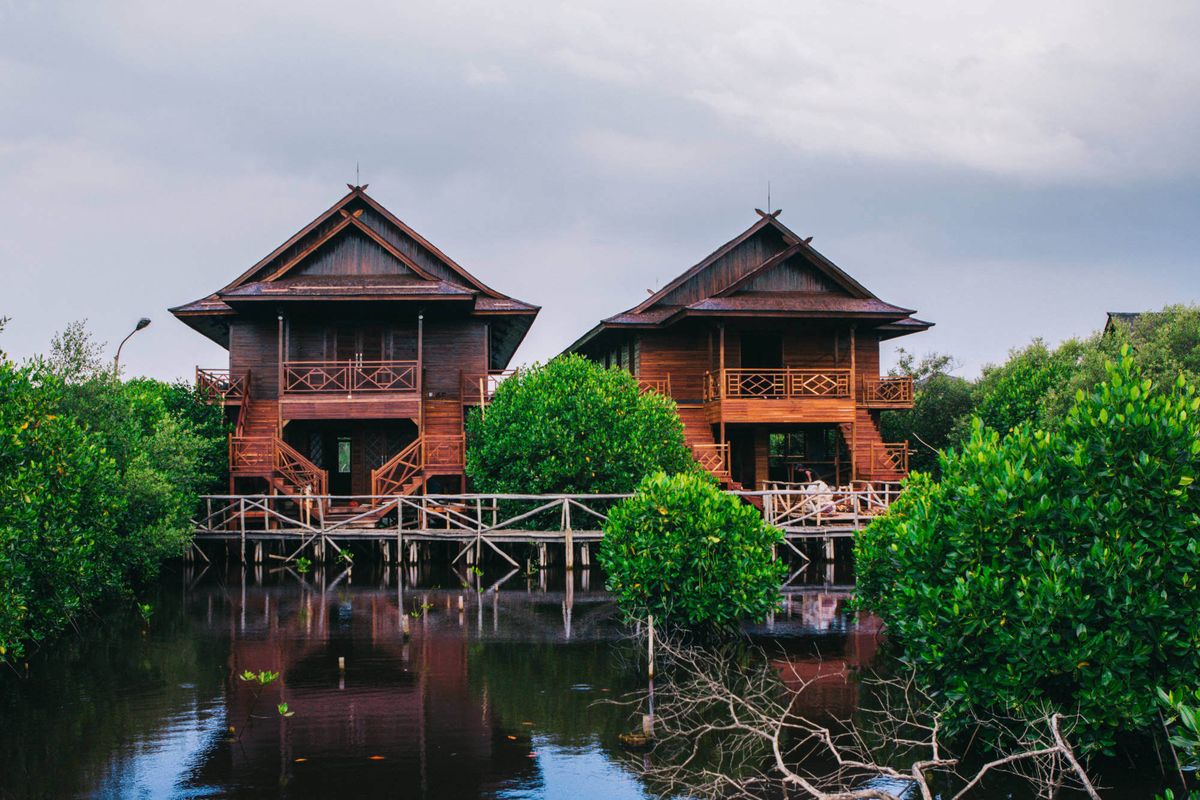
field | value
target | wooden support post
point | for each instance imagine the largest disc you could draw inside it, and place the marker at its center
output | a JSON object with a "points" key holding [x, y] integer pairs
{"points": [[650, 646], [421, 373], [242, 517], [569, 542], [854, 407], [721, 385]]}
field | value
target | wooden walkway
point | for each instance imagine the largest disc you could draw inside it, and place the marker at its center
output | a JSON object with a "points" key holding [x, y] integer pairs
{"points": [[477, 521]]}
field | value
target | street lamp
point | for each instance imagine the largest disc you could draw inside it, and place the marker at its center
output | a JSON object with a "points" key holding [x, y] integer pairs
{"points": [[141, 323]]}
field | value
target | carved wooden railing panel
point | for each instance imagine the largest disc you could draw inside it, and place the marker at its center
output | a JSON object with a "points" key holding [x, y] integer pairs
{"points": [[777, 384], [713, 457], [660, 385], [444, 452], [221, 385], [348, 377], [299, 471], [392, 476], [889, 457], [251, 453], [887, 392]]}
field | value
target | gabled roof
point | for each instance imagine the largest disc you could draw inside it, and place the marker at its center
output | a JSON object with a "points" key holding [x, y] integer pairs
{"points": [[765, 271], [356, 250]]}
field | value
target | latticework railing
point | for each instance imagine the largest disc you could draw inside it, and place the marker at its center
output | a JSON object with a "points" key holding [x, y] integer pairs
{"points": [[480, 388], [660, 385], [394, 475], [305, 476], [424, 455], [889, 457], [348, 377], [444, 452], [713, 457], [777, 384], [221, 385], [887, 392]]}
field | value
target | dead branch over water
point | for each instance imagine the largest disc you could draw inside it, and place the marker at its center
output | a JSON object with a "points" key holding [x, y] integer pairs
{"points": [[732, 721]]}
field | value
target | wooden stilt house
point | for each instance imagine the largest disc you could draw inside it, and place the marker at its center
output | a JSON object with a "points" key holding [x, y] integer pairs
{"points": [[354, 349], [772, 354]]}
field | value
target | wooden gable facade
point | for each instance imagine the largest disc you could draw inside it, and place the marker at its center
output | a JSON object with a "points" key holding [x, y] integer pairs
{"points": [[354, 349], [772, 354]]}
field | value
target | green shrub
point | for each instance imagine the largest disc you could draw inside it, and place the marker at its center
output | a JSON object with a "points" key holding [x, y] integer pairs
{"points": [[59, 503], [572, 426], [1055, 567], [690, 554]]}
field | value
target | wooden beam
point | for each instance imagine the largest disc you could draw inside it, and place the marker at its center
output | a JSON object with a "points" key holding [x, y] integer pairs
{"points": [[721, 380]]}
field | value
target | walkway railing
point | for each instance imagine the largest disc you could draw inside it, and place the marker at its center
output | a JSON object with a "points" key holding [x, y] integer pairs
{"points": [[887, 392], [776, 384], [221, 385], [799, 510], [348, 377]]}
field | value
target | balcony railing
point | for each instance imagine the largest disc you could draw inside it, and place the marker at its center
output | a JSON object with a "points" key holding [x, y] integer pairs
{"points": [[889, 392], [479, 388], [349, 377], [776, 384], [221, 385]]}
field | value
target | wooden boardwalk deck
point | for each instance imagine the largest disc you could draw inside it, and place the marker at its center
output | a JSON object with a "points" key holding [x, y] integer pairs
{"points": [[477, 521]]}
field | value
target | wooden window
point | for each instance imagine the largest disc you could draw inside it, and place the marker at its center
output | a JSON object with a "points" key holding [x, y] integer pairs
{"points": [[343, 455]]}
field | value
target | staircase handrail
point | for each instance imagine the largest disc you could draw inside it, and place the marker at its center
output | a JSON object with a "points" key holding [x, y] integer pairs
{"points": [[398, 470], [298, 470]]}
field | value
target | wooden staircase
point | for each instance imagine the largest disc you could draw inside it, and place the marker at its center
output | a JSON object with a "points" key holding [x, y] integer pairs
{"points": [[439, 450], [714, 457], [257, 449], [876, 459]]}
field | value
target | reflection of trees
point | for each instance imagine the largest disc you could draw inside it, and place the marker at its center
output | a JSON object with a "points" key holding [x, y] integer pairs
{"points": [[555, 686], [89, 694], [732, 720]]}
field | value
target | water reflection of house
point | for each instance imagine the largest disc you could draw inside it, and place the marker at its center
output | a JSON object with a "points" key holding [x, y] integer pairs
{"points": [[826, 672], [400, 719]]}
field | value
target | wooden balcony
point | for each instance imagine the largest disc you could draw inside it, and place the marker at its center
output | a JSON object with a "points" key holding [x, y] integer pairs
{"points": [[350, 390], [349, 377], [887, 392], [778, 395], [478, 389], [221, 385]]}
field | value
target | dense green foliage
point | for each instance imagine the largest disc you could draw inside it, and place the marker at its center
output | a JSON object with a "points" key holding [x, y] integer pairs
{"points": [[1037, 384], [690, 554], [98, 480], [572, 426], [1053, 566]]}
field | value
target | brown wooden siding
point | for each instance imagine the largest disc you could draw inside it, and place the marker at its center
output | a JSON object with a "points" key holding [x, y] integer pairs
{"points": [[727, 269], [351, 252], [453, 347], [254, 346]]}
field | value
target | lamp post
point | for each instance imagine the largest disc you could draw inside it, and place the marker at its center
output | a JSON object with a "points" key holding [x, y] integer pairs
{"points": [[141, 323]]}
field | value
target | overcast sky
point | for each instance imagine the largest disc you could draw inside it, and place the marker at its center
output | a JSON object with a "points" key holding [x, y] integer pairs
{"points": [[1010, 169]]}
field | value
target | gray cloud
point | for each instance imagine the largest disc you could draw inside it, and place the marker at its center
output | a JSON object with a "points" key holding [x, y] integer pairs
{"points": [[1010, 169]]}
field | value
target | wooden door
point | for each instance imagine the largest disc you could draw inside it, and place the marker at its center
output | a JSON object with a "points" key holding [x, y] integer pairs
{"points": [[762, 350]]}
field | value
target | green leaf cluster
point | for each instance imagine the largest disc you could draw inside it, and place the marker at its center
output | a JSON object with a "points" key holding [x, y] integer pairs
{"points": [[98, 481], [572, 426], [691, 555], [1053, 566]]}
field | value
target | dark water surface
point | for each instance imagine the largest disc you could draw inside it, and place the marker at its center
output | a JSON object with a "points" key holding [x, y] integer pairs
{"points": [[493, 694]]}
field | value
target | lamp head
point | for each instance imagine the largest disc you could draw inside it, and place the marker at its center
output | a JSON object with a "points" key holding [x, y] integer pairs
{"points": [[143, 322]]}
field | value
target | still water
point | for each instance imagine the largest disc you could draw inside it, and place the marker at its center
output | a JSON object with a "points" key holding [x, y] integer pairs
{"points": [[498, 690]]}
